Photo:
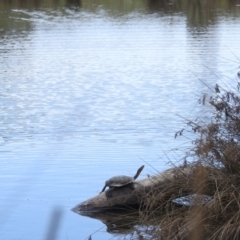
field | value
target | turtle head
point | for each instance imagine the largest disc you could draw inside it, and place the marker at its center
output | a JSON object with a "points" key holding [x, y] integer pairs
{"points": [[138, 172]]}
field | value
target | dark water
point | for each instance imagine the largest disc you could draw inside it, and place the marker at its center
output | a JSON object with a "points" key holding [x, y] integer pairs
{"points": [[90, 89]]}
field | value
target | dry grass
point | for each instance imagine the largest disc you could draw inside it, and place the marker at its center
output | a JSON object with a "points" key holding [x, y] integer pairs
{"points": [[215, 172]]}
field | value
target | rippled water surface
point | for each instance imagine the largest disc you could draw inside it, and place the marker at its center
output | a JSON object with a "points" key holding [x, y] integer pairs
{"points": [[93, 89]]}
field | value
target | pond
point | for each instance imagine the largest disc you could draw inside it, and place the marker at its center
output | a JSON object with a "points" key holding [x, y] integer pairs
{"points": [[93, 89]]}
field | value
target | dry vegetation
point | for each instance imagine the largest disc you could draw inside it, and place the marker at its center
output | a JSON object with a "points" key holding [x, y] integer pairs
{"points": [[215, 172]]}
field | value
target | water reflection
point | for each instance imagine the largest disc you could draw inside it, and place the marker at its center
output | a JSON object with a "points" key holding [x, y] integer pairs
{"points": [[194, 8], [199, 13], [121, 222], [74, 4], [190, 6], [38, 4], [9, 4]]}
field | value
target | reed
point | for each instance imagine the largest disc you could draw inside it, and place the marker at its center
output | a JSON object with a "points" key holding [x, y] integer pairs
{"points": [[215, 173]]}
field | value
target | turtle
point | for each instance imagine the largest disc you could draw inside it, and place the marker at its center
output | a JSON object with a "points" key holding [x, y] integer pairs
{"points": [[120, 181]]}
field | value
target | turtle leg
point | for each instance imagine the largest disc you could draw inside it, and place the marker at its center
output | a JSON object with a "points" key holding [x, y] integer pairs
{"points": [[103, 188], [108, 193], [131, 186]]}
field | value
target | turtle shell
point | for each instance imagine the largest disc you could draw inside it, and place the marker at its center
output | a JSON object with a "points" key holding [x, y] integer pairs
{"points": [[119, 181]]}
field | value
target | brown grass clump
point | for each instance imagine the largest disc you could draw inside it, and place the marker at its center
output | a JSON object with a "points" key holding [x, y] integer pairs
{"points": [[215, 172]]}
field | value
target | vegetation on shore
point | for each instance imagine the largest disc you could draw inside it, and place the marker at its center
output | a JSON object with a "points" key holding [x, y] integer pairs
{"points": [[199, 199], [216, 173]]}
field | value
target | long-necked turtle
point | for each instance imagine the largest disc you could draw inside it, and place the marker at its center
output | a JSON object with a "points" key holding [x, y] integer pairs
{"points": [[120, 181]]}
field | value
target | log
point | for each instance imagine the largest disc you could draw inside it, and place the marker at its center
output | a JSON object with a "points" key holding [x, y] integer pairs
{"points": [[135, 194]]}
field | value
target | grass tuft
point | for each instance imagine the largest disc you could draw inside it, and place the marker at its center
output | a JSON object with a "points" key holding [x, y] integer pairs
{"points": [[215, 172]]}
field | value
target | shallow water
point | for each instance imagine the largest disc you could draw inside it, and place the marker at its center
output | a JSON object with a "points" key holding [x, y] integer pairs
{"points": [[93, 91]]}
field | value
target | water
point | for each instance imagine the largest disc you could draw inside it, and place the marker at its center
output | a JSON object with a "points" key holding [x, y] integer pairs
{"points": [[93, 91]]}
